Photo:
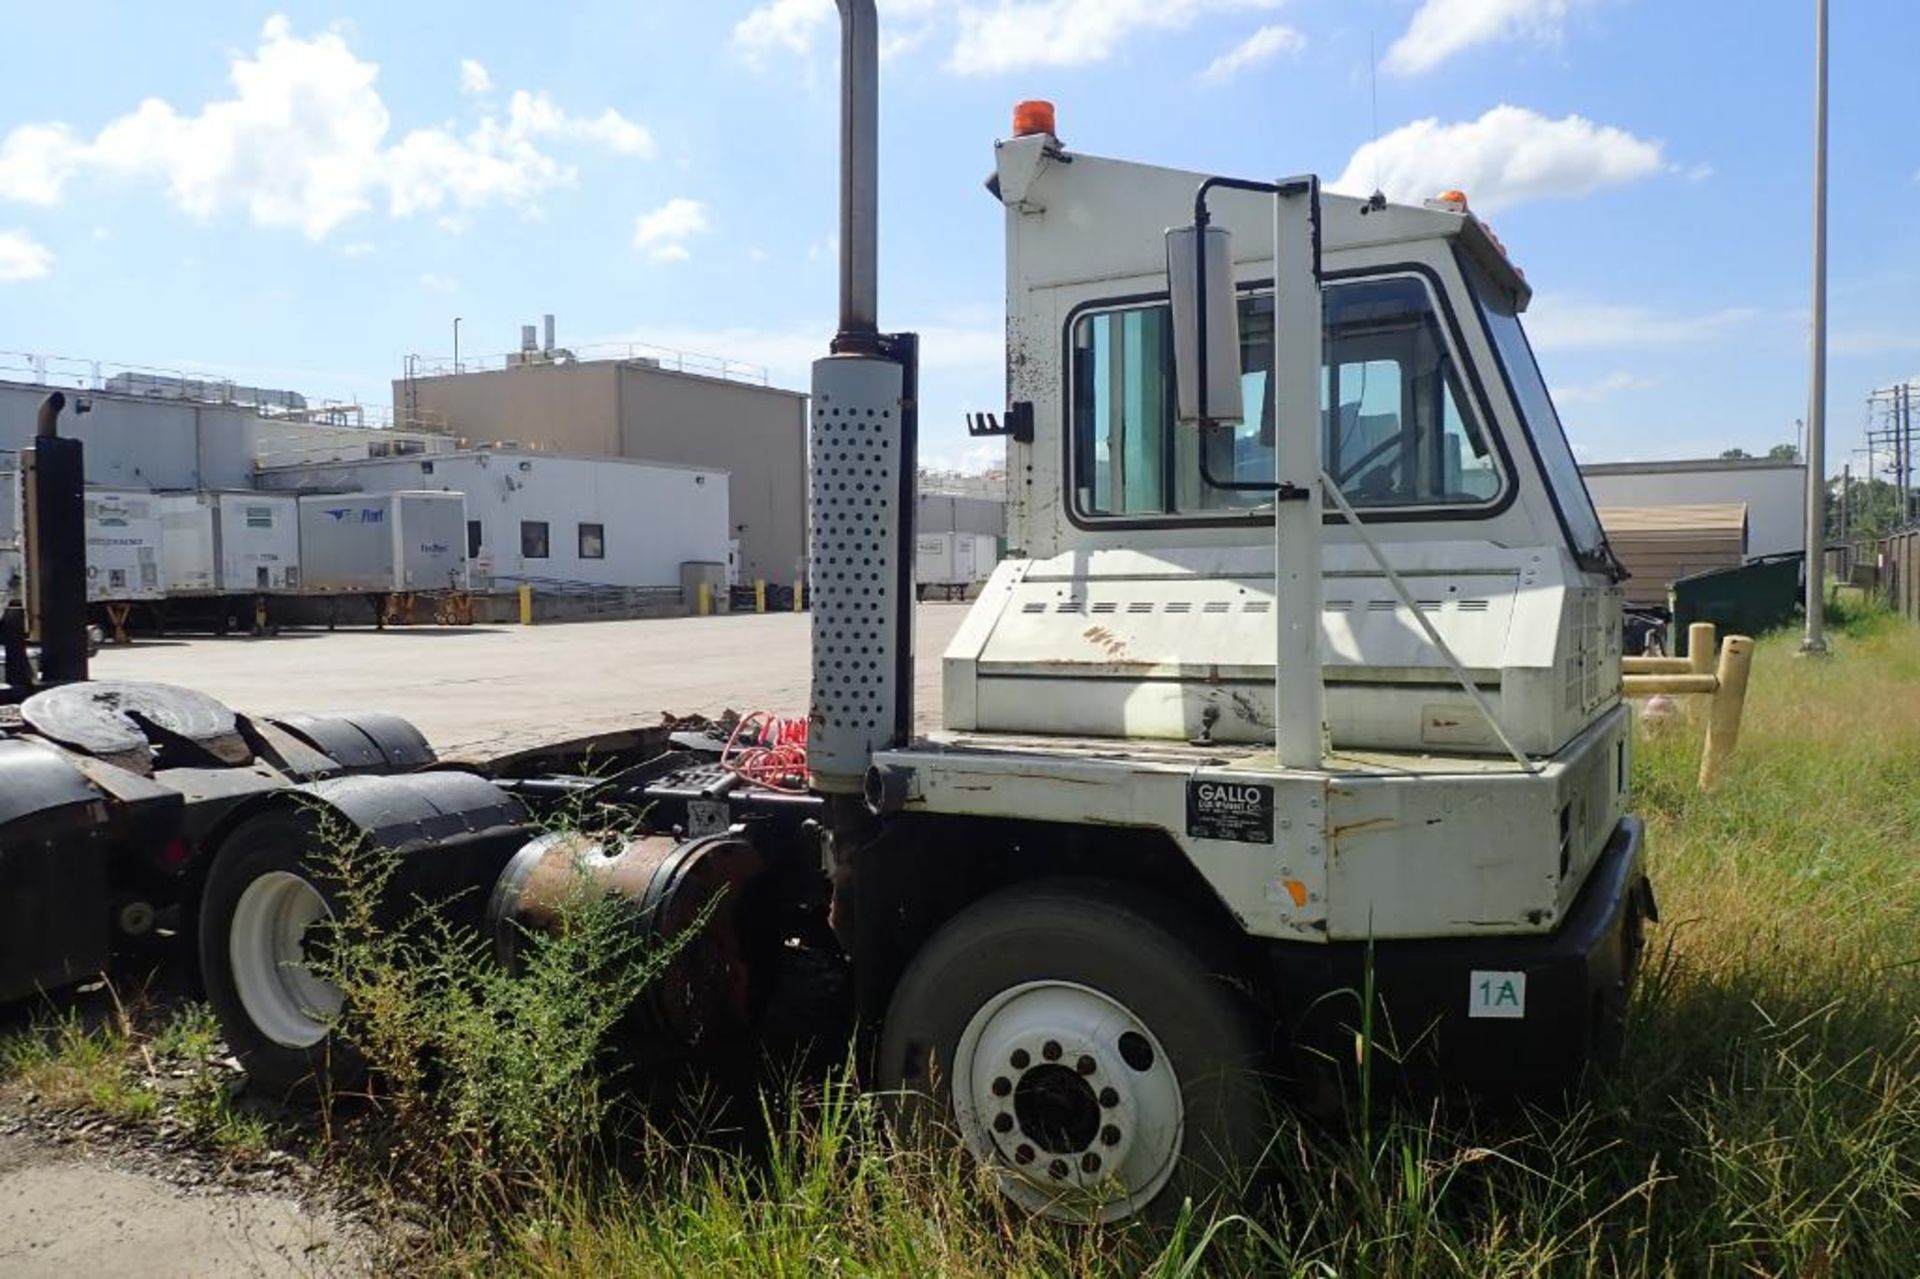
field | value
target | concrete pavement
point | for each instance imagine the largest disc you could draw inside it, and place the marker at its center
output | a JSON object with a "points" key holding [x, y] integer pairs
{"points": [[488, 689]]}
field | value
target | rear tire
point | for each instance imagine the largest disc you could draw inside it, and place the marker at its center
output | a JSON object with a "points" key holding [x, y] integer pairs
{"points": [[264, 904], [1083, 1051]]}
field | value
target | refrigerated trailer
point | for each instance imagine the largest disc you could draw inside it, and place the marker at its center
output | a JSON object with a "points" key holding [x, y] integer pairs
{"points": [[232, 543], [123, 546], [10, 563], [952, 564], [1278, 730]]}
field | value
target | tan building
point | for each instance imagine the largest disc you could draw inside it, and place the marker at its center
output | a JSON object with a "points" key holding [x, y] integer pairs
{"points": [[636, 408]]}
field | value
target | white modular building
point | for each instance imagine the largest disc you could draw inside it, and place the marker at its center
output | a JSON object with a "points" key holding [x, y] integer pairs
{"points": [[382, 543], [234, 543], [544, 517]]}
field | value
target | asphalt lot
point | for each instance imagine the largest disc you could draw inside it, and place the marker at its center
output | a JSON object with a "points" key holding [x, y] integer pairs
{"points": [[486, 689]]}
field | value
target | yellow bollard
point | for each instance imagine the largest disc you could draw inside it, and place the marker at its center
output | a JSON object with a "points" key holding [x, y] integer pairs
{"points": [[1701, 640], [703, 600], [1725, 708], [526, 605], [759, 594], [799, 594]]}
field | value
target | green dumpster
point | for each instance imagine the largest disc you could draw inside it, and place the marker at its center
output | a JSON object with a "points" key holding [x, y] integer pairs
{"points": [[1756, 597]]}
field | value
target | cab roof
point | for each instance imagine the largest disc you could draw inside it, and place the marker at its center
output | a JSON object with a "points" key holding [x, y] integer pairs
{"points": [[1111, 214]]}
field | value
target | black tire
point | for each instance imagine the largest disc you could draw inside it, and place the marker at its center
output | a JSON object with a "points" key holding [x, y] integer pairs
{"points": [[1106, 939], [275, 842]]}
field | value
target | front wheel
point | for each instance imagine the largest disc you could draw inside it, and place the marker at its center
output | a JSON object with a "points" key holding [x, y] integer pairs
{"points": [[264, 919], [1085, 1053]]}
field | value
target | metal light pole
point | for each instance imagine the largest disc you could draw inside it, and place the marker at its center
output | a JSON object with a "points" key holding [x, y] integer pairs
{"points": [[1815, 639], [456, 344]]}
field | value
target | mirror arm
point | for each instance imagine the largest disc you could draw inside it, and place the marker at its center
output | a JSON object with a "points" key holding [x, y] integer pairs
{"points": [[1202, 219]]}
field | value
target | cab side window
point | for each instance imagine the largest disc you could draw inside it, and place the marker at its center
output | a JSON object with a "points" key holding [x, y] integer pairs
{"points": [[1396, 425]]}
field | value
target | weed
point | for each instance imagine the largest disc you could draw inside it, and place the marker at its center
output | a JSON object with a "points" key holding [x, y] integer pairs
{"points": [[487, 1084]]}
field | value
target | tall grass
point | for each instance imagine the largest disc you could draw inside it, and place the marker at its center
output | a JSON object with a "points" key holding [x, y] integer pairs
{"points": [[1764, 1121]]}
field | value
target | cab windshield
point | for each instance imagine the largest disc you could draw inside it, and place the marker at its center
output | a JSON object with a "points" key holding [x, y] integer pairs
{"points": [[1538, 417]]}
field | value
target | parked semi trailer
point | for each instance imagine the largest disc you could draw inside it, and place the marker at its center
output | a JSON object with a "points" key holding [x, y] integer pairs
{"points": [[234, 543], [1266, 708]]}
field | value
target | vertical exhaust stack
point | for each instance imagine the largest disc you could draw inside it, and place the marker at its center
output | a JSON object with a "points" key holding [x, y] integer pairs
{"points": [[859, 177], [54, 480], [862, 456]]}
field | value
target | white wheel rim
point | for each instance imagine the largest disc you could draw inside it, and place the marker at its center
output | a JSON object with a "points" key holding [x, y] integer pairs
{"points": [[284, 998], [1070, 1099]]}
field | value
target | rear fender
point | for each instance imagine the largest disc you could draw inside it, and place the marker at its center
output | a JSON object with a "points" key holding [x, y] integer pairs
{"points": [[362, 741], [451, 833]]}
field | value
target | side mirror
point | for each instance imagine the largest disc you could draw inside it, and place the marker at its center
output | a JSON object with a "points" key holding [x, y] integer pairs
{"points": [[1206, 325]]}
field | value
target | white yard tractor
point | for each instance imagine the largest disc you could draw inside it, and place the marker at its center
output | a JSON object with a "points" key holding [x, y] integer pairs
{"points": [[1287, 743]]}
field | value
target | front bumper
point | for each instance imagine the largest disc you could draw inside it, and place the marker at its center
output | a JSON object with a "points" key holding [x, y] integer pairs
{"points": [[1488, 1015]]}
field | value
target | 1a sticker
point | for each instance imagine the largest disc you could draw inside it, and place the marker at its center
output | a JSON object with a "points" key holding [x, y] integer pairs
{"points": [[1495, 994]]}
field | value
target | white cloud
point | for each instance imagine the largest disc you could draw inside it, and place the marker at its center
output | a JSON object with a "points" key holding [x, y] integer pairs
{"points": [[976, 458], [1255, 49], [533, 115], [1014, 35], [474, 77], [782, 26], [1561, 324], [23, 258], [302, 143], [35, 162], [357, 249], [1507, 156], [662, 234], [439, 283], [1602, 387], [792, 27], [1875, 342], [989, 36], [1442, 28]]}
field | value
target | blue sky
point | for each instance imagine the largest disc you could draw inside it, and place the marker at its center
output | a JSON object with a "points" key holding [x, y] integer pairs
{"points": [[302, 194]]}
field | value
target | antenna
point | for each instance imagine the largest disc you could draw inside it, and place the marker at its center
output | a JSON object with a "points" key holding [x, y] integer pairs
{"points": [[1373, 90]]}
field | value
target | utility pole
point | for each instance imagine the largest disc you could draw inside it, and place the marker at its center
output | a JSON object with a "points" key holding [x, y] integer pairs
{"points": [[1903, 446], [456, 344], [1814, 642]]}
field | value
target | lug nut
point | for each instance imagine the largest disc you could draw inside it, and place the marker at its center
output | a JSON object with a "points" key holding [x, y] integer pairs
{"points": [[1109, 1136], [1051, 1051], [1024, 1155], [1003, 1123], [1089, 1162], [1002, 1085], [1109, 1098], [1084, 1065], [1020, 1060], [1059, 1169]]}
